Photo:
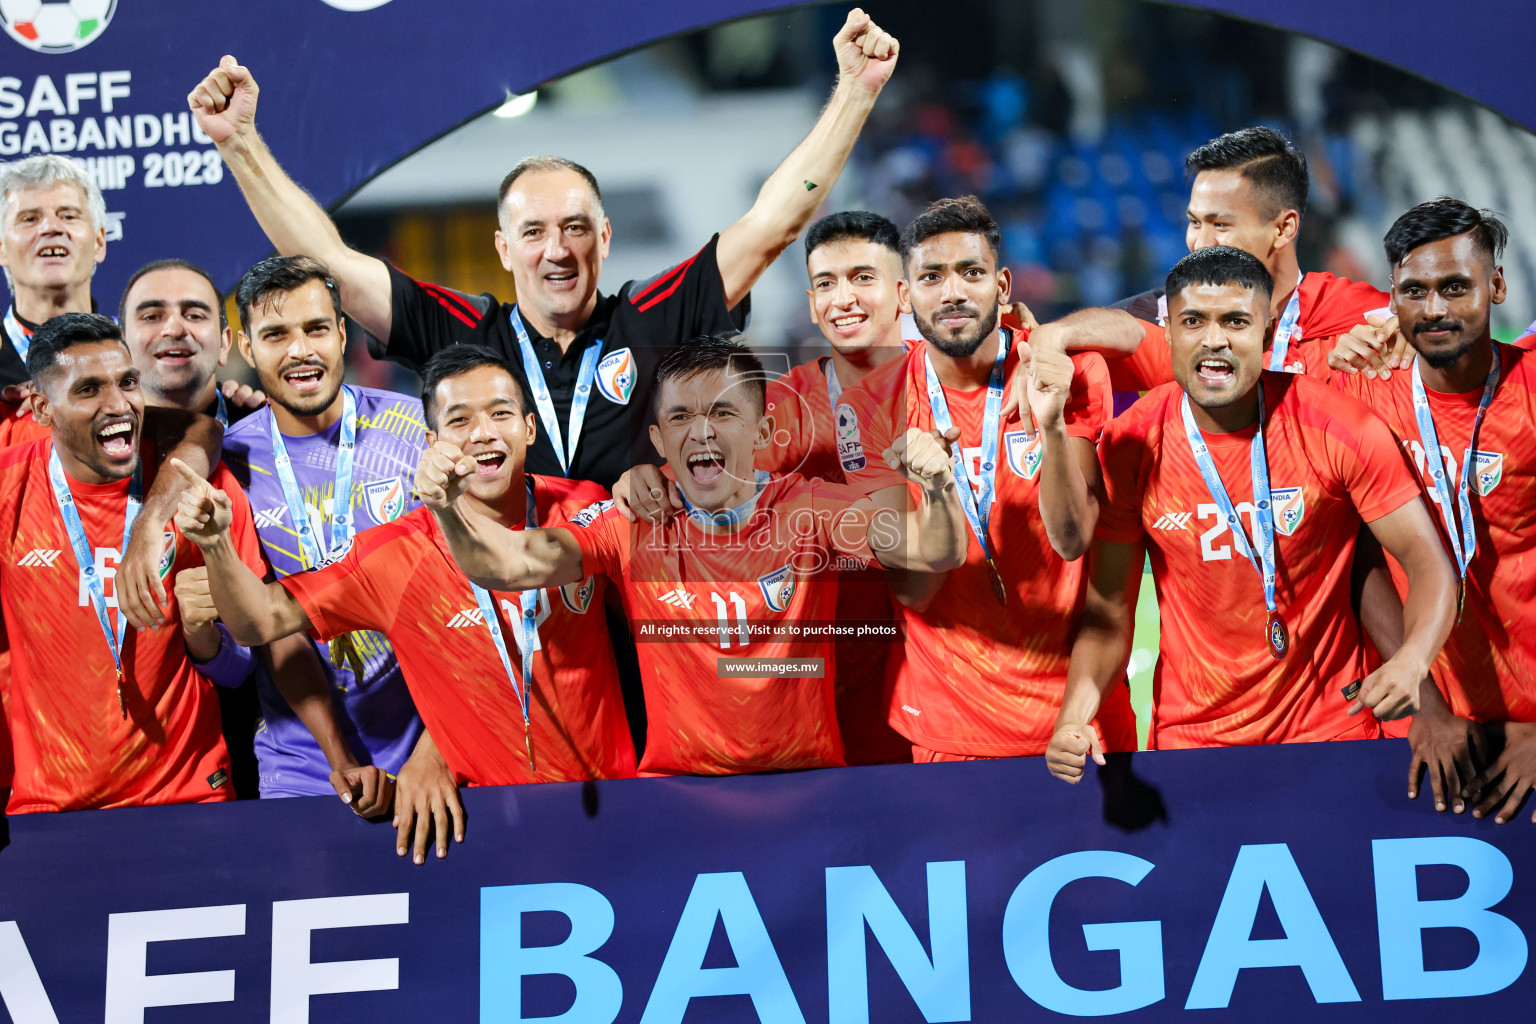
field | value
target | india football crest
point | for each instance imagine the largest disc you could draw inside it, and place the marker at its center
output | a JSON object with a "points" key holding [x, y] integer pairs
{"points": [[1289, 508], [778, 588], [616, 376], [1024, 453], [578, 596], [850, 447], [168, 553], [1487, 471], [385, 499]]}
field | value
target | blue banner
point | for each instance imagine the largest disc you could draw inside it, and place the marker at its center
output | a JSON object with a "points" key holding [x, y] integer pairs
{"points": [[351, 86], [1276, 883]]}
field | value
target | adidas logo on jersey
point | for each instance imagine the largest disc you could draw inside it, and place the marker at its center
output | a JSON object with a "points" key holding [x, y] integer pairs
{"points": [[269, 517], [40, 558], [466, 618], [679, 598], [1173, 521]]}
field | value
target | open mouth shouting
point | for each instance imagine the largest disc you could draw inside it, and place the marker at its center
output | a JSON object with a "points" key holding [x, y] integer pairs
{"points": [[116, 438], [306, 378], [1215, 372], [706, 467], [488, 464]]}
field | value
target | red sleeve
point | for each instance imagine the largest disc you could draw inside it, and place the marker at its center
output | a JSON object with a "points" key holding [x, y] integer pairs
{"points": [[603, 536], [1121, 452], [1359, 447], [1092, 402], [1338, 304], [1147, 367], [362, 590], [1528, 342], [865, 423]]}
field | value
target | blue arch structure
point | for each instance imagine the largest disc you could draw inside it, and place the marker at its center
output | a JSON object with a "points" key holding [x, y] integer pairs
{"points": [[346, 93]]}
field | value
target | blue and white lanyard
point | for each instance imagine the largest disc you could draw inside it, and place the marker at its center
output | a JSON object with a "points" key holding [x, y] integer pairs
{"points": [[1264, 563], [1464, 540], [87, 561], [834, 386], [977, 502], [341, 497], [221, 413], [527, 626], [1286, 328], [729, 516], [21, 338], [565, 450]]}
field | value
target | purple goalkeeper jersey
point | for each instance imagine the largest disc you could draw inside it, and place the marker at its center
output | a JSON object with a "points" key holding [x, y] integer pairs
{"points": [[375, 712]]}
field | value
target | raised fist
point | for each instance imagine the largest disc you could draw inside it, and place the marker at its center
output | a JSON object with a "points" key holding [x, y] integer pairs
{"points": [[866, 53], [925, 457], [224, 103], [443, 474]]}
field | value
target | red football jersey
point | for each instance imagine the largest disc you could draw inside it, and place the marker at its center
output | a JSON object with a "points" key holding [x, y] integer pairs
{"points": [[1330, 306], [978, 677], [1332, 465], [72, 746], [699, 603], [1488, 665], [18, 428], [401, 580], [803, 440]]}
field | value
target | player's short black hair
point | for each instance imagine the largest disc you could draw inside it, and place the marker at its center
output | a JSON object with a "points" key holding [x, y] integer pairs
{"points": [[853, 224], [281, 274], [64, 332], [712, 352], [171, 264], [546, 163], [1218, 265], [967, 214], [454, 360], [1275, 169], [1440, 219]]}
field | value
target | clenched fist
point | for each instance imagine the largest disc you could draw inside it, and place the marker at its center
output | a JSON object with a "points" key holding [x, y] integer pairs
{"points": [[194, 598], [1050, 385], [224, 103], [205, 512], [924, 457], [866, 53], [443, 474]]}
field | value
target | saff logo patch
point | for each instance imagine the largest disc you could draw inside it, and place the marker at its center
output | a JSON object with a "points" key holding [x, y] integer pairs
{"points": [[1289, 506], [590, 514], [385, 499], [1025, 453], [167, 553], [850, 447], [1487, 471], [778, 588], [578, 596], [616, 376]]}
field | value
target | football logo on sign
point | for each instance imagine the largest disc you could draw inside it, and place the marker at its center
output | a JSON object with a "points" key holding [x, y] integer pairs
{"points": [[1290, 506], [616, 376], [56, 26], [1487, 471], [168, 553], [578, 596], [850, 448], [385, 499], [778, 588], [1024, 453]]}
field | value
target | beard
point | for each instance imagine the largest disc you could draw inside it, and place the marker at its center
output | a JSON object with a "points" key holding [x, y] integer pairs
{"points": [[965, 343], [309, 405], [1445, 358]]}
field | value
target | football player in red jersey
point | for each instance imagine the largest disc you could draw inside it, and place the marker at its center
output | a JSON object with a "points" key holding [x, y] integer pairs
{"points": [[986, 651], [469, 684], [743, 570], [100, 715], [1466, 416], [1288, 470]]}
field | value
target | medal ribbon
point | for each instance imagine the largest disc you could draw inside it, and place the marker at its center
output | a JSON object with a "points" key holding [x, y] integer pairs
{"points": [[1286, 328], [1264, 563], [1464, 540], [341, 497], [977, 500], [21, 338], [222, 412], [564, 451], [834, 386], [87, 561], [527, 627]]}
